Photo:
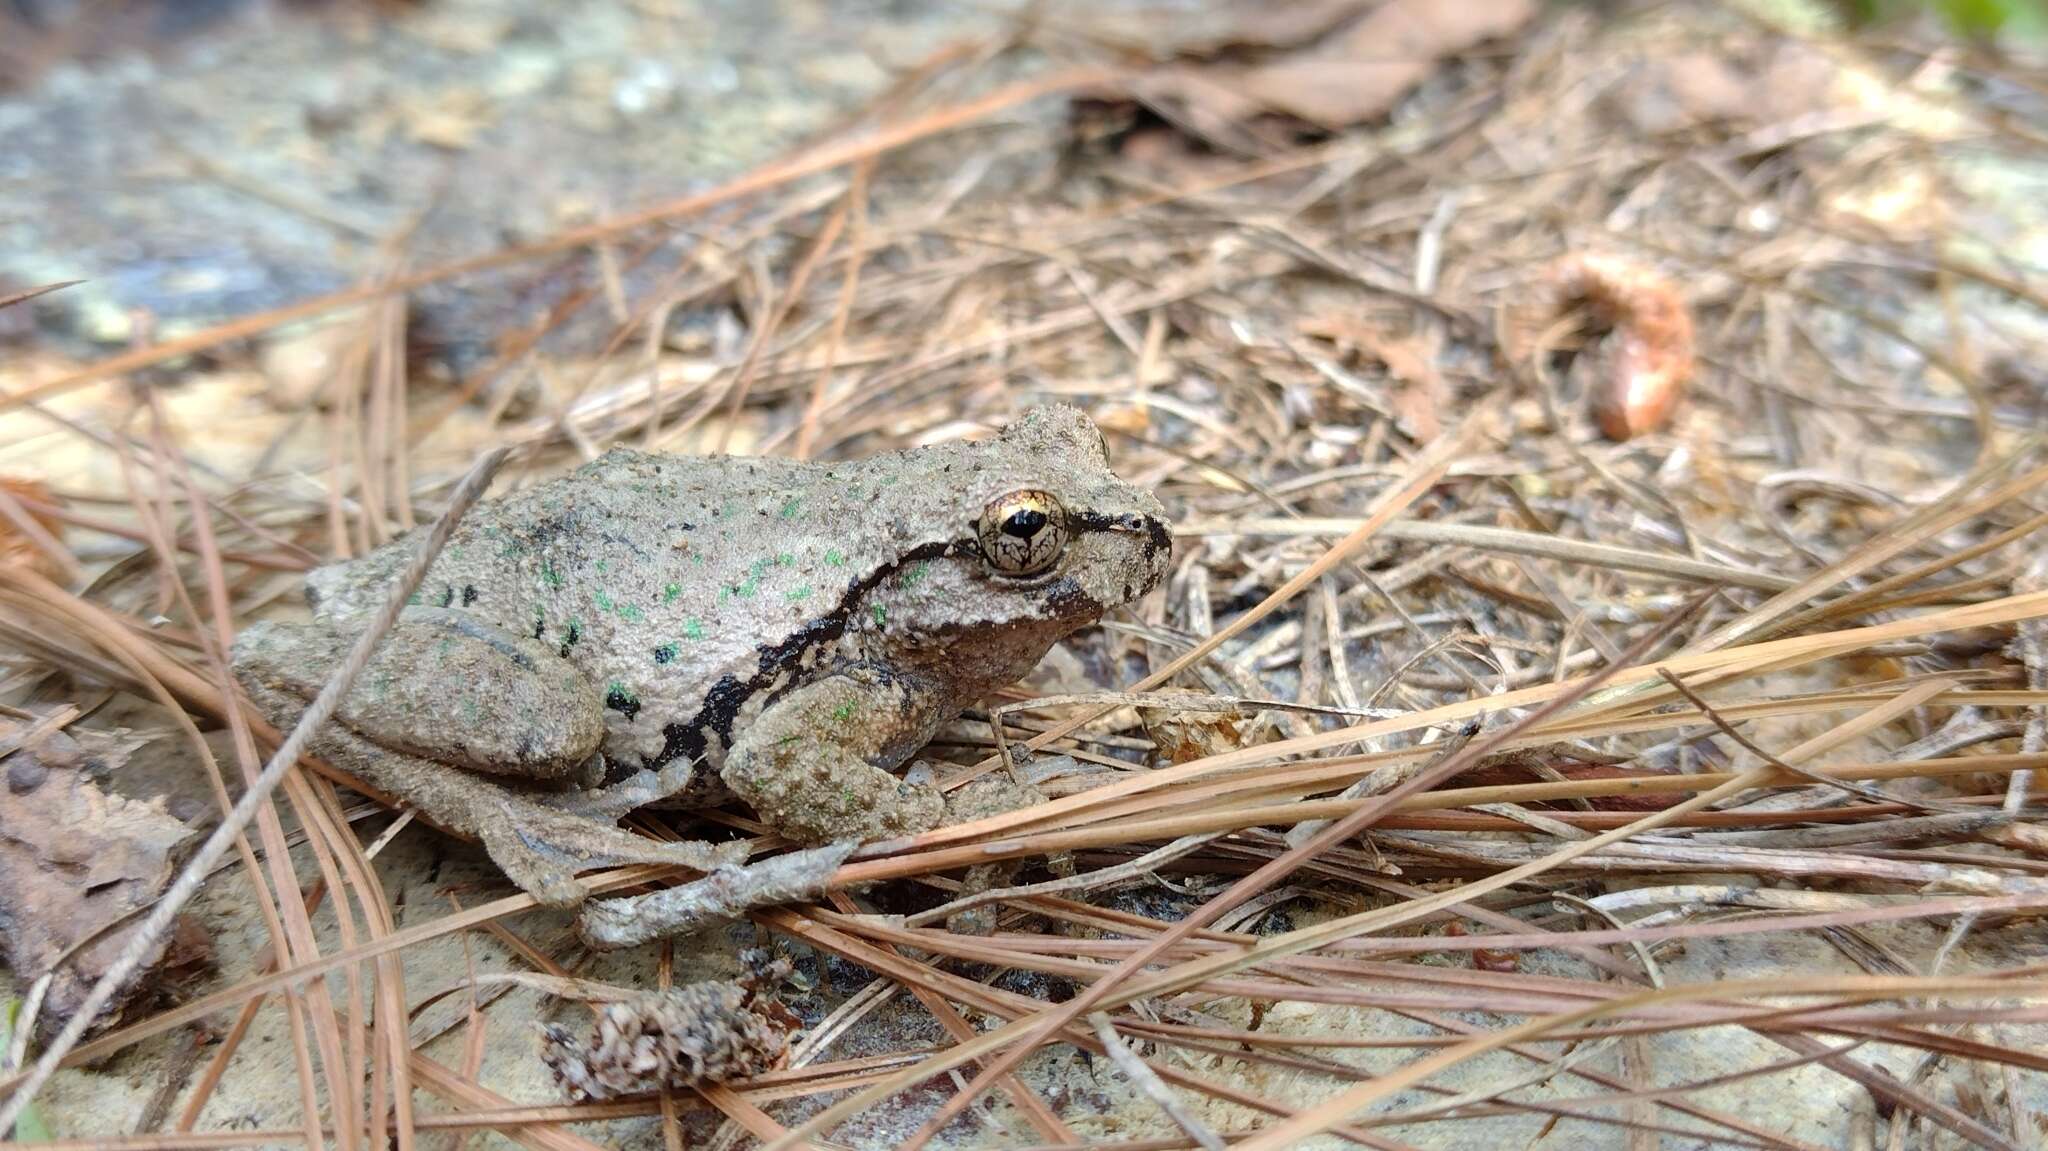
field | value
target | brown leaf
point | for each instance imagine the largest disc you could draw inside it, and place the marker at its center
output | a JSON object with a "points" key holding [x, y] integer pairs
{"points": [[1360, 72], [1354, 73], [1692, 89], [1177, 30], [1422, 396], [75, 861], [1685, 91], [1183, 736], [452, 120]]}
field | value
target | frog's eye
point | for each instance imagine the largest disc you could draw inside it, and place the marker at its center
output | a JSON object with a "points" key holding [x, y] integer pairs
{"points": [[1022, 533]]}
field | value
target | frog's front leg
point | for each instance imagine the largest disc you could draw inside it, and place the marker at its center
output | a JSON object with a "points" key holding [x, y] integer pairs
{"points": [[814, 764]]}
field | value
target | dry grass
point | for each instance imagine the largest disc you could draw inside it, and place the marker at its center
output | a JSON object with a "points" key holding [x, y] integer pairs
{"points": [[1796, 633]]}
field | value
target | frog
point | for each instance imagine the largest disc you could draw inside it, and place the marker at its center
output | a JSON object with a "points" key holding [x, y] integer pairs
{"points": [[673, 630]]}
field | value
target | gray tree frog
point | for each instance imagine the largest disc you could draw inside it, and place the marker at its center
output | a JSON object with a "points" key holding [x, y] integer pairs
{"points": [[650, 626]]}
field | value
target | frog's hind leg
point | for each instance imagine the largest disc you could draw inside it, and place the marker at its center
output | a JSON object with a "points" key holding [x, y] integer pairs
{"points": [[813, 763], [538, 847], [446, 687], [541, 849]]}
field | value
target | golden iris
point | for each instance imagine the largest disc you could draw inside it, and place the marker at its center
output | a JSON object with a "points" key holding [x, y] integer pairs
{"points": [[1023, 533]]}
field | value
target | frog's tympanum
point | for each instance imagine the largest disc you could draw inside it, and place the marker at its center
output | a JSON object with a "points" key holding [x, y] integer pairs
{"points": [[649, 627]]}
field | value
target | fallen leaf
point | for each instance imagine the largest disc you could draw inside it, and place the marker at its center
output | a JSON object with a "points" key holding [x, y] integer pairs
{"points": [[453, 120], [77, 861], [1131, 419], [1420, 394], [1359, 73], [1353, 72], [1673, 94], [299, 364], [1732, 85], [1168, 31], [1184, 735]]}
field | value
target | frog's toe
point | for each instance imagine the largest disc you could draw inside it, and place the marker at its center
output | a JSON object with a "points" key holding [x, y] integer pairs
{"points": [[611, 802], [918, 807], [550, 879]]}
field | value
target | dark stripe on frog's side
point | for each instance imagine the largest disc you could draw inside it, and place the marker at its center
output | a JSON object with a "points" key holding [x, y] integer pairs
{"points": [[722, 703], [1158, 538]]}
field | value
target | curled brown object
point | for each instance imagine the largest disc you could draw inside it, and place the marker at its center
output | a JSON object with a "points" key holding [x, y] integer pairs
{"points": [[1650, 354], [33, 535]]}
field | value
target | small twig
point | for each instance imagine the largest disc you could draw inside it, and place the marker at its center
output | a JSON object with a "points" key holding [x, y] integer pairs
{"points": [[1857, 789], [1148, 1082], [2032, 648], [1377, 782], [40, 538], [1086, 881], [1505, 540], [25, 1020], [27, 294]]}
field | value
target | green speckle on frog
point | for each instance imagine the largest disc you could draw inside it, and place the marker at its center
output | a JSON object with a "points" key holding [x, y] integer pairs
{"points": [[911, 585]]}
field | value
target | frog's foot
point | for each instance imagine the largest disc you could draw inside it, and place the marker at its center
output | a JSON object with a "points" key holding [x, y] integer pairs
{"points": [[532, 864], [541, 849], [812, 765], [992, 794]]}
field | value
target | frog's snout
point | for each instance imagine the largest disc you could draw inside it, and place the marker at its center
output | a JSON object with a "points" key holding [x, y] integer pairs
{"points": [[1152, 537], [1155, 532]]}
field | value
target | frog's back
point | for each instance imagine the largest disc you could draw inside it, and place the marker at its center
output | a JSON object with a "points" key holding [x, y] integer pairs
{"points": [[659, 577]]}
